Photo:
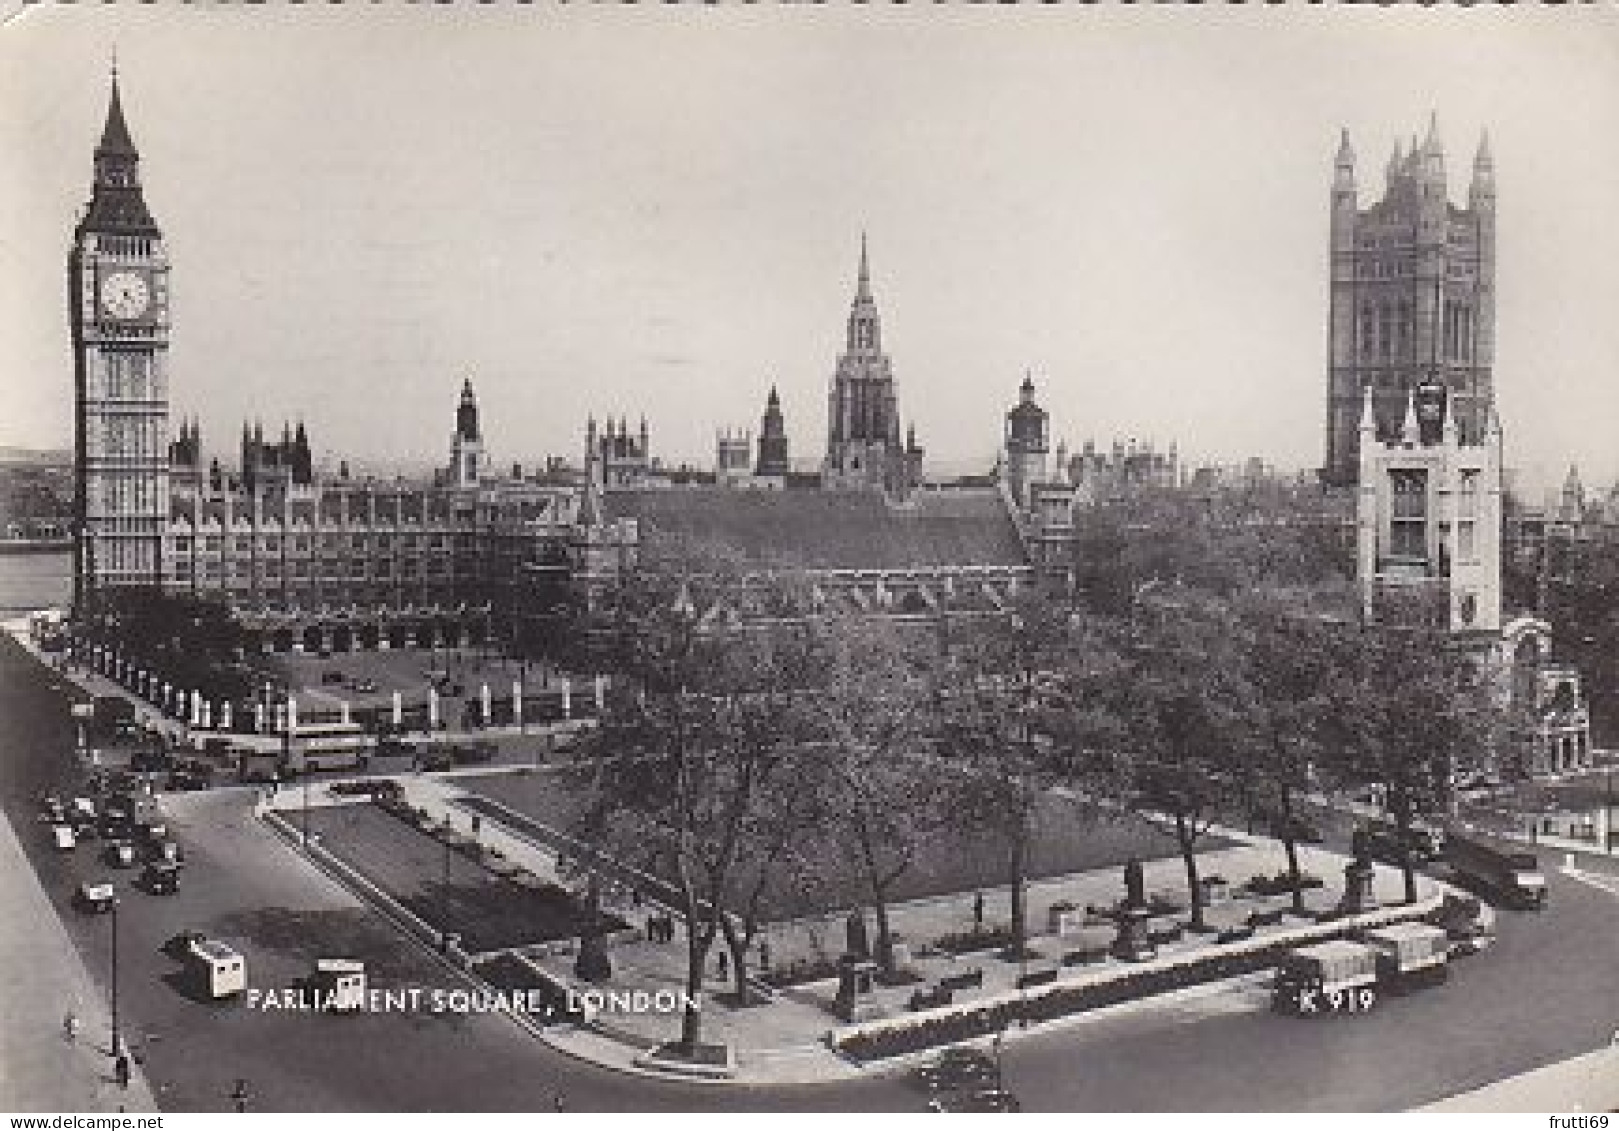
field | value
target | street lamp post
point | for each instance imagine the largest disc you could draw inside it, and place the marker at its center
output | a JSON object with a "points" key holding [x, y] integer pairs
{"points": [[444, 930], [117, 1036]]}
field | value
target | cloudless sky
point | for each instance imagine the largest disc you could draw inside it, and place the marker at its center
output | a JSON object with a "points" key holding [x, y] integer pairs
{"points": [[652, 210]]}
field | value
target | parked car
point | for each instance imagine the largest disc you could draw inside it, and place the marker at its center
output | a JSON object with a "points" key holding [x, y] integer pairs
{"points": [[94, 897], [64, 837], [331, 675], [981, 1100], [178, 945], [151, 760], [436, 759], [120, 854], [161, 878], [165, 852], [957, 1067], [365, 686]]}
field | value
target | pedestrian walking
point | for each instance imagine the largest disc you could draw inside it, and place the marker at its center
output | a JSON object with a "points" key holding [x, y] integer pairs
{"points": [[70, 1027], [724, 965], [559, 1102], [764, 954], [978, 910], [120, 1071]]}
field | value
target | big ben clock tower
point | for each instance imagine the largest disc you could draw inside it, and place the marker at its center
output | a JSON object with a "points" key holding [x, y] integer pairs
{"points": [[118, 305]]}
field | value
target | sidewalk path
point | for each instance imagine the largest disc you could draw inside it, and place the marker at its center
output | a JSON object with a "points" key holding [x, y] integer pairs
{"points": [[1582, 1083], [41, 979]]}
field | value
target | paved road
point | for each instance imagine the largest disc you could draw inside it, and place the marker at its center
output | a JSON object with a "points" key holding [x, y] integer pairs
{"points": [[246, 886], [1546, 991]]}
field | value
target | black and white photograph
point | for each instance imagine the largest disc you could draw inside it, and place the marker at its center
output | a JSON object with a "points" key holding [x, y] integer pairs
{"points": [[971, 558]]}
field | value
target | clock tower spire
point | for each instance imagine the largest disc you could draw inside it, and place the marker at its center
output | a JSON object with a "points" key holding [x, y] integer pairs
{"points": [[118, 296]]}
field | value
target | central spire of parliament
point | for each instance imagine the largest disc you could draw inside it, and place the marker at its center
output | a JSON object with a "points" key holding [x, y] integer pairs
{"points": [[863, 447]]}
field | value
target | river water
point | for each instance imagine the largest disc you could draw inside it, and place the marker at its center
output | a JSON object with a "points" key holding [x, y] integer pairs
{"points": [[34, 581]]}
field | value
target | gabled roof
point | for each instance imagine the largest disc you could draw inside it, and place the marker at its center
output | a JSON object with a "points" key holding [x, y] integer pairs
{"points": [[832, 530]]}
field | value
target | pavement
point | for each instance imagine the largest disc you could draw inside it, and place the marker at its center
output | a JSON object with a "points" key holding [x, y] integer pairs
{"points": [[1581, 1083], [42, 980]]}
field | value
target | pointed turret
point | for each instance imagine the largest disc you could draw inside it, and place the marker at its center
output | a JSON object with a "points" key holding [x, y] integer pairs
{"points": [[1368, 419], [466, 413], [865, 331], [772, 461], [1344, 165], [115, 139], [116, 204], [1410, 433], [863, 283], [1481, 193]]}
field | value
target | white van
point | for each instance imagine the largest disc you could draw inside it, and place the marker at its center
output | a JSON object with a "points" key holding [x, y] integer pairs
{"points": [[217, 969], [339, 984], [64, 837]]}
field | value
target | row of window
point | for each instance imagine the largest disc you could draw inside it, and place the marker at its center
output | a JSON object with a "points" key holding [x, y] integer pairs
{"points": [[1387, 329]]}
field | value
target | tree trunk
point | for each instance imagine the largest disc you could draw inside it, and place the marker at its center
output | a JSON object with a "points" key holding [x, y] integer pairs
{"points": [[1188, 845], [691, 1021], [1408, 869], [1292, 848], [885, 938], [1018, 863], [1290, 845], [736, 943]]}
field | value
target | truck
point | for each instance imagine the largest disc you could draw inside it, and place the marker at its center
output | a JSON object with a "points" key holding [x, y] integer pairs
{"points": [[1410, 955], [339, 984], [1330, 977], [1385, 841], [214, 968], [1507, 871]]}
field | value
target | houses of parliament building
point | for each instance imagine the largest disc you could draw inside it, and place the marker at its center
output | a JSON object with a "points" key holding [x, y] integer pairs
{"points": [[311, 559]]}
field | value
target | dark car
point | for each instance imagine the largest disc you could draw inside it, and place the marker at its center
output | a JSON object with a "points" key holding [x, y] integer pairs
{"points": [[94, 897], [120, 854], [161, 878], [959, 1067], [473, 753], [185, 781], [984, 1100], [178, 946], [151, 760], [331, 675], [435, 759]]}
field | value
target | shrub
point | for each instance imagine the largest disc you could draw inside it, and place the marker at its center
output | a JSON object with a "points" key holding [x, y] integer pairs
{"points": [[799, 971]]}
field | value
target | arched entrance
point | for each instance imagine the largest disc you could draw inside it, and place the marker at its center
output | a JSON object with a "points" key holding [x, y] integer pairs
{"points": [[281, 640], [369, 636], [342, 638], [314, 639]]}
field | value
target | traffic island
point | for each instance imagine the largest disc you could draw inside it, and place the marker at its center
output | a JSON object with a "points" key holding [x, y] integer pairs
{"points": [[707, 1061], [1102, 988]]}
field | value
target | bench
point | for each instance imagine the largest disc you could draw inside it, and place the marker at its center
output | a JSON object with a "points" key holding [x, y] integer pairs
{"points": [[934, 998], [1085, 956], [1037, 978], [966, 980]]}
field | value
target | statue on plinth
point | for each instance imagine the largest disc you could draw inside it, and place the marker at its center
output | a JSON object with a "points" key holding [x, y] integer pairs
{"points": [[857, 943], [1135, 884]]}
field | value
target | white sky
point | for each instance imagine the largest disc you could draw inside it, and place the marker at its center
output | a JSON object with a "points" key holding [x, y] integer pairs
{"points": [[639, 209]]}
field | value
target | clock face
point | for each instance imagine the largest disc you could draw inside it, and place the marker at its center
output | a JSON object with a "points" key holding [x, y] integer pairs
{"points": [[124, 295]]}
